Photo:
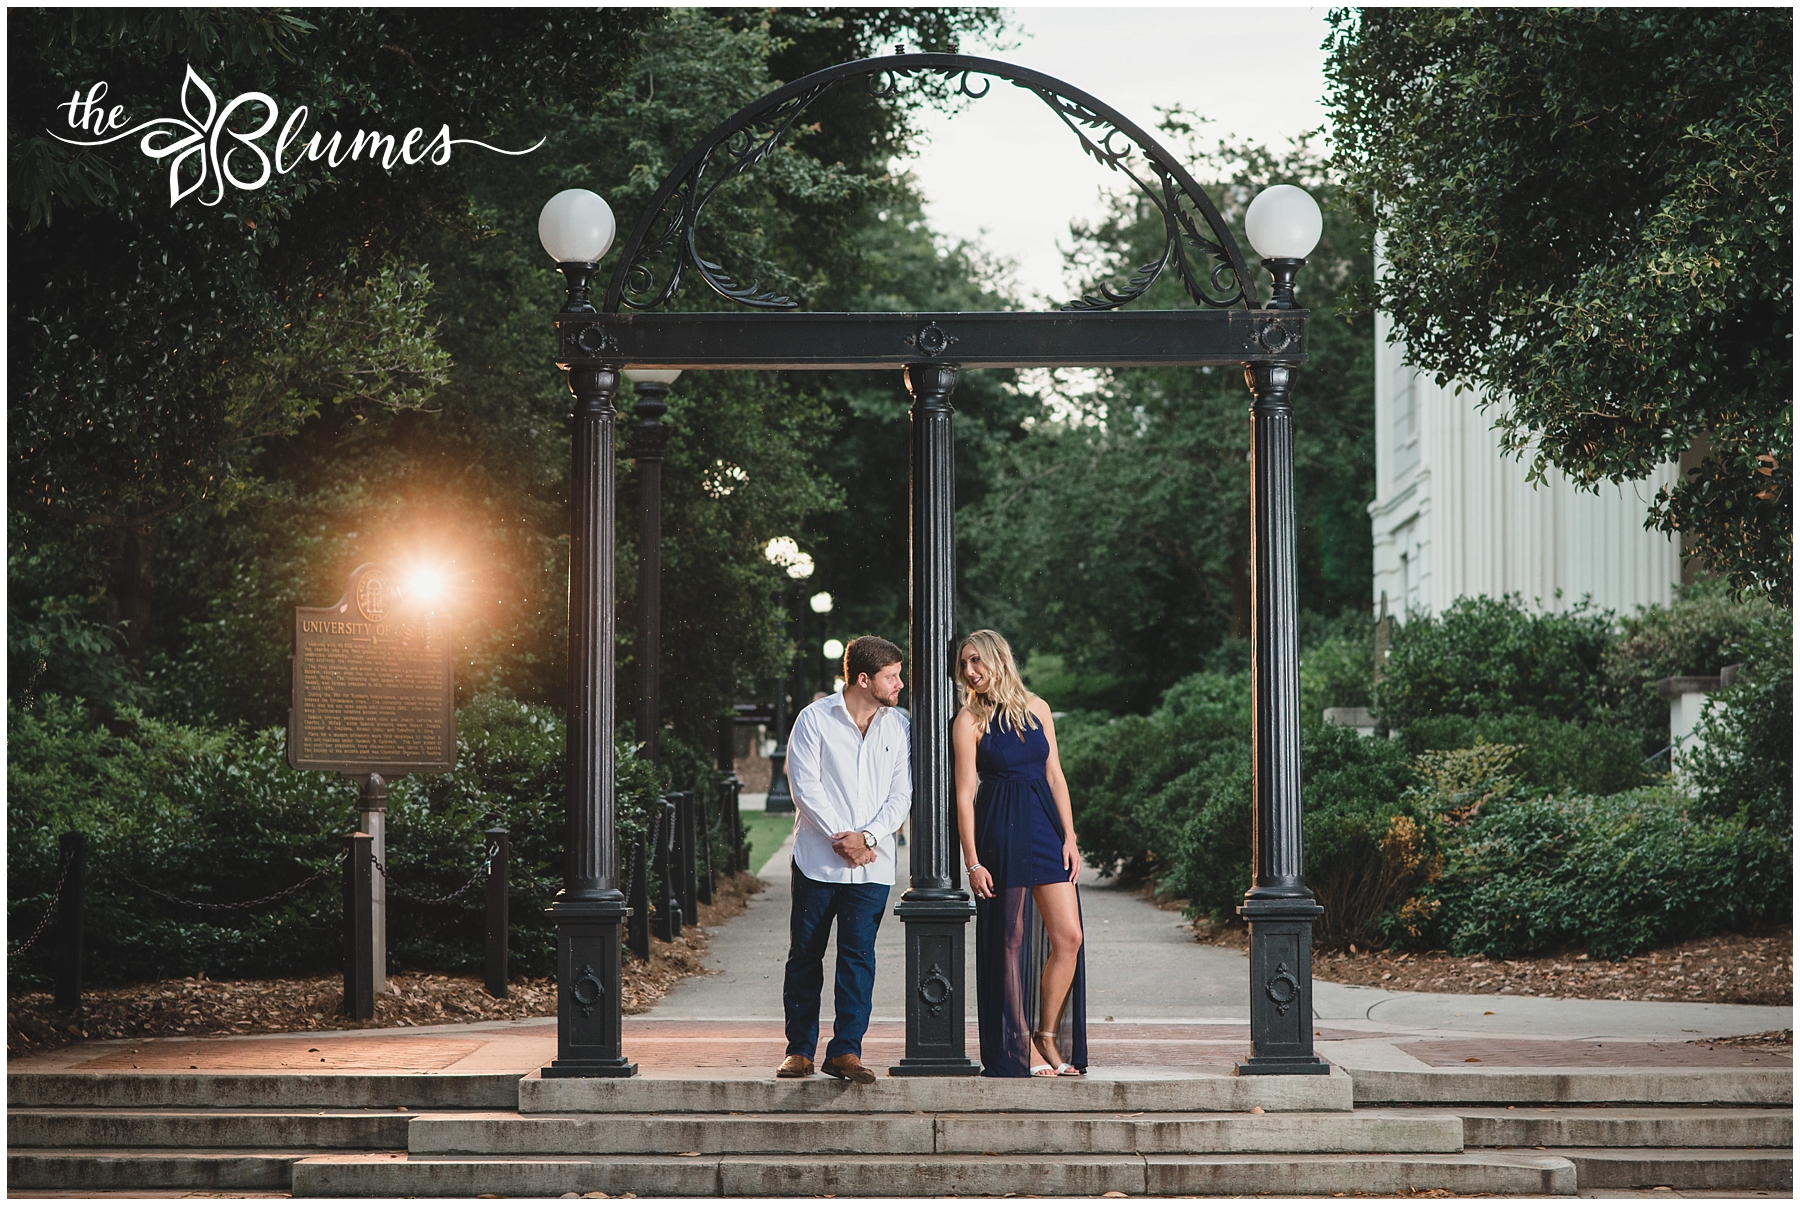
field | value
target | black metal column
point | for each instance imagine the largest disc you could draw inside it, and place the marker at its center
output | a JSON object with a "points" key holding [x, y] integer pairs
{"points": [[687, 827], [68, 934], [499, 917], [781, 794], [650, 437], [934, 908], [590, 908], [359, 945], [1279, 906]]}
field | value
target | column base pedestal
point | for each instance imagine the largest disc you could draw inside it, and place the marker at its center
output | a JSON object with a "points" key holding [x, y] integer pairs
{"points": [[1283, 1067], [936, 929], [560, 1069], [589, 1010], [1281, 998]]}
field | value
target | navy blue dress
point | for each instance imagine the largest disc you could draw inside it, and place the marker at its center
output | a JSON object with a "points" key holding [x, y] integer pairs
{"points": [[1018, 839]]}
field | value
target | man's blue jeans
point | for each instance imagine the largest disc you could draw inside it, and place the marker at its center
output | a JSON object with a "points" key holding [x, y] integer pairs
{"points": [[858, 909]]}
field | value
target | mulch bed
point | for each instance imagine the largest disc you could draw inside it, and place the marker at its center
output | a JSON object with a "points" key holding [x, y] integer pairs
{"points": [[1728, 969], [197, 1006]]}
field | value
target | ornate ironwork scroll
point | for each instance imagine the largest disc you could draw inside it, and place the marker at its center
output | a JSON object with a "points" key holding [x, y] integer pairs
{"points": [[665, 244]]}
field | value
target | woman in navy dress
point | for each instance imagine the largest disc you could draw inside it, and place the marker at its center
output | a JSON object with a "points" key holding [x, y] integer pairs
{"points": [[1018, 842]]}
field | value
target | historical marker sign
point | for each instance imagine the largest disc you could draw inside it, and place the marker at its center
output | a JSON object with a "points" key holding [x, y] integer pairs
{"points": [[372, 683]]}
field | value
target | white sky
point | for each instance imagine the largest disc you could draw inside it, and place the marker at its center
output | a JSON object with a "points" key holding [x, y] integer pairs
{"points": [[1007, 174]]}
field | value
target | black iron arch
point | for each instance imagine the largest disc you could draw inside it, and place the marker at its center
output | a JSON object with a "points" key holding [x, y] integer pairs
{"points": [[665, 242]]}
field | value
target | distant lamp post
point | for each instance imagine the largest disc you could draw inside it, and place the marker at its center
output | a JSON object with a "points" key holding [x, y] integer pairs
{"points": [[649, 438], [784, 552], [1283, 224], [576, 228], [822, 604]]}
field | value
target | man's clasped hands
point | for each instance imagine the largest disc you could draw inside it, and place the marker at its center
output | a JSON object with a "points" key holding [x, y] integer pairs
{"points": [[851, 848]]}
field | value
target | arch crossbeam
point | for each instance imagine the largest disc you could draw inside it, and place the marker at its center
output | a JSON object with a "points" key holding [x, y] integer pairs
{"points": [[666, 243]]}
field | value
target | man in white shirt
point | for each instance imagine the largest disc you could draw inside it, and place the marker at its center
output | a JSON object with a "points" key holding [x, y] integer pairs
{"points": [[849, 766]]}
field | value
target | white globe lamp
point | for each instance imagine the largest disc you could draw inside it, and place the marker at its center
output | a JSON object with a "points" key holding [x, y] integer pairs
{"points": [[576, 227], [1283, 224]]}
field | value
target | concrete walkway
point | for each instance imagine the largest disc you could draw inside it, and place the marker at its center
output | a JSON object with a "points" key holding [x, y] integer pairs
{"points": [[1145, 966], [1159, 1003]]}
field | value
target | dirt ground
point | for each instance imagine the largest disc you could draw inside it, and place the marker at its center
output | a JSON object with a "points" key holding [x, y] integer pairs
{"points": [[197, 1006], [1729, 969]]}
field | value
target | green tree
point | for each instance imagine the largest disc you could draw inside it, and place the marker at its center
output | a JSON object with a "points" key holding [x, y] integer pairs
{"points": [[162, 346], [1588, 215], [1116, 534]]}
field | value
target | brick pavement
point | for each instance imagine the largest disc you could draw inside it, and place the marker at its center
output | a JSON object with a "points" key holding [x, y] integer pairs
{"points": [[672, 1047]]}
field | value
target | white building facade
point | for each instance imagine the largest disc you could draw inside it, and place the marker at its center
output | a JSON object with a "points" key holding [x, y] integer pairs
{"points": [[1454, 516]]}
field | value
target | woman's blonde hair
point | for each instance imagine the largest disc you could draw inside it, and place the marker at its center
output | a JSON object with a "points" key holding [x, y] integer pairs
{"points": [[1006, 693]]}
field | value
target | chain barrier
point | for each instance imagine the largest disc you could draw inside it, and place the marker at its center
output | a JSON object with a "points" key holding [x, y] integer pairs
{"points": [[240, 904], [55, 903], [481, 873]]}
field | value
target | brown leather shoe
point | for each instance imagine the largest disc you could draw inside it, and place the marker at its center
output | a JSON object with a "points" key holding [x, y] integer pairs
{"points": [[848, 1067], [795, 1067]]}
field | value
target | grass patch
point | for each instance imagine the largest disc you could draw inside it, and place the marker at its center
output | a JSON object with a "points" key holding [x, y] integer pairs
{"points": [[766, 831]]}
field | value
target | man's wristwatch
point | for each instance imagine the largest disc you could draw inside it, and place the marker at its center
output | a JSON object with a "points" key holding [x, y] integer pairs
{"points": [[868, 838]]}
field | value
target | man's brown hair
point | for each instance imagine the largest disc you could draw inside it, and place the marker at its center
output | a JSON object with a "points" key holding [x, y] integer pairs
{"points": [[869, 655]]}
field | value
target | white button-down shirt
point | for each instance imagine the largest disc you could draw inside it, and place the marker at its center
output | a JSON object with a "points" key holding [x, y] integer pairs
{"points": [[845, 780]]}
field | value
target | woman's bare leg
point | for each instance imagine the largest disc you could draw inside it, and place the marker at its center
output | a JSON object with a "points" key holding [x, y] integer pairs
{"points": [[1056, 904]]}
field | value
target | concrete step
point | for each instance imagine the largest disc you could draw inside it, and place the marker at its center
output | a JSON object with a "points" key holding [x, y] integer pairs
{"points": [[341, 1090], [1558, 1086], [358, 1129], [899, 1176], [1593, 1126], [97, 1169], [965, 1133], [1680, 1168], [1115, 1091]]}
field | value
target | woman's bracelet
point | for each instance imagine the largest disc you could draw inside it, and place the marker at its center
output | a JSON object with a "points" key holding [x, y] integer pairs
{"points": [[974, 867]]}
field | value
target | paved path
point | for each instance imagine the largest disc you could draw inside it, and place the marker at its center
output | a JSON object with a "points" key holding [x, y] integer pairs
{"points": [[1157, 1001], [1143, 964]]}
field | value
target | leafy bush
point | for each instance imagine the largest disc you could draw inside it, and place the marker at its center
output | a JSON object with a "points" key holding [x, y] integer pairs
{"points": [[1490, 657], [217, 815], [1701, 631], [1744, 760], [1131, 780], [1360, 863], [1615, 874], [1594, 758]]}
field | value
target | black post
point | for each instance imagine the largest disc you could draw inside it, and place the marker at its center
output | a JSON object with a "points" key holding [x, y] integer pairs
{"points": [[689, 870], [590, 908], [69, 928], [703, 849], [935, 908], [640, 901], [649, 439], [668, 905], [1279, 907], [500, 842], [781, 796], [359, 928]]}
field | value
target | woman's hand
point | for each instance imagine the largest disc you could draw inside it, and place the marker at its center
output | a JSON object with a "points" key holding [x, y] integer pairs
{"points": [[981, 883], [1071, 859]]}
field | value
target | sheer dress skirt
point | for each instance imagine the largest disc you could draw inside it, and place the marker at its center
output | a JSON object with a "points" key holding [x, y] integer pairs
{"points": [[1019, 842]]}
